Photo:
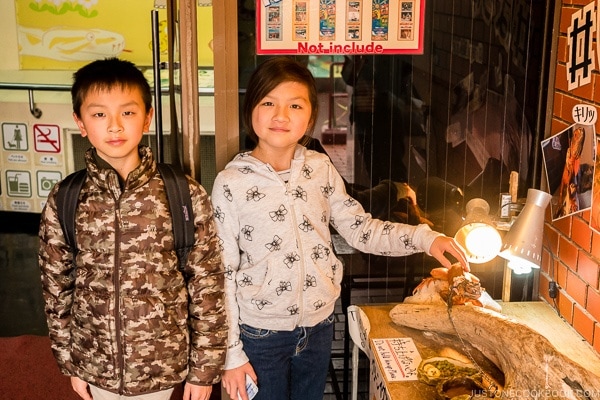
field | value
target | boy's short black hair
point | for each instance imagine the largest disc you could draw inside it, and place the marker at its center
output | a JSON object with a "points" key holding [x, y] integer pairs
{"points": [[266, 77], [105, 75]]}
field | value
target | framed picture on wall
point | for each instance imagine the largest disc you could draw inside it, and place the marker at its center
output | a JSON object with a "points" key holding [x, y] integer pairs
{"points": [[569, 163], [330, 27]]}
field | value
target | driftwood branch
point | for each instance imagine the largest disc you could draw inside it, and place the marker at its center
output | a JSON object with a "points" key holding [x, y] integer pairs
{"points": [[533, 367]]}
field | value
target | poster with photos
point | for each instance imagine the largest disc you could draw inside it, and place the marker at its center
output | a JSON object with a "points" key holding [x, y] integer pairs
{"points": [[569, 159], [595, 211], [330, 27]]}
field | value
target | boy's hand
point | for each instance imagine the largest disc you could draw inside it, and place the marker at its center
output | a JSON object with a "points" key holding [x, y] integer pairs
{"points": [[81, 388], [196, 392], [234, 381], [444, 244]]}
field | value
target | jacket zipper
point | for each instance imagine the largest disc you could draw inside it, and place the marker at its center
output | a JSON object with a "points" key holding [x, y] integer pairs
{"points": [[302, 269], [116, 283]]}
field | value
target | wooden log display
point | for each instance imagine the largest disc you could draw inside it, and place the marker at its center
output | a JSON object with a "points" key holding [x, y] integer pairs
{"points": [[535, 366]]}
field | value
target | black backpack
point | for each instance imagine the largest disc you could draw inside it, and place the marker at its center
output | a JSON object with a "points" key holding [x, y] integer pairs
{"points": [[178, 196]]}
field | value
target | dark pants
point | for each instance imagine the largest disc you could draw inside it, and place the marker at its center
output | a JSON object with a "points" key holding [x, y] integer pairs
{"points": [[290, 365]]}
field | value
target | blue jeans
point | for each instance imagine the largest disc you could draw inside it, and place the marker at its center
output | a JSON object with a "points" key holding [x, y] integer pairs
{"points": [[290, 365]]}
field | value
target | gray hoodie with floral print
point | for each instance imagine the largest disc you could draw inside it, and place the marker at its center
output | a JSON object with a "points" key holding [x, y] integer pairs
{"points": [[280, 268]]}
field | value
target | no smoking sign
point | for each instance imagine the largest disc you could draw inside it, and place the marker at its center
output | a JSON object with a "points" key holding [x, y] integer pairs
{"points": [[47, 138]]}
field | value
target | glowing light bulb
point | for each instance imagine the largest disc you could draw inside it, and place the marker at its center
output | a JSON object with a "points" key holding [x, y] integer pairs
{"points": [[519, 268], [483, 242]]}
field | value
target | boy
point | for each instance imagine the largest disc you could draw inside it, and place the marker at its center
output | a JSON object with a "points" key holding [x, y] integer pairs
{"points": [[123, 319]]}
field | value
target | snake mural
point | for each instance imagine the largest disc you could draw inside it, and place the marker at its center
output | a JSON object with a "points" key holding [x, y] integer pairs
{"points": [[69, 44]]}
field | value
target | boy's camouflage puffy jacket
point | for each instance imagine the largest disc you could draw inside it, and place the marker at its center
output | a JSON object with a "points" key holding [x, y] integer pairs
{"points": [[123, 324]]}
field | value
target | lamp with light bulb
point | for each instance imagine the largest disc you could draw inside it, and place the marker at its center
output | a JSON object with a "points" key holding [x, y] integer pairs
{"points": [[477, 236], [522, 246]]}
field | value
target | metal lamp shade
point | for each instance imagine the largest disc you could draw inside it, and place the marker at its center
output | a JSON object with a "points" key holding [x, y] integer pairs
{"points": [[522, 246]]}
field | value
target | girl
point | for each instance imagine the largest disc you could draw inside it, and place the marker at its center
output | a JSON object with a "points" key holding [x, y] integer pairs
{"points": [[274, 206]]}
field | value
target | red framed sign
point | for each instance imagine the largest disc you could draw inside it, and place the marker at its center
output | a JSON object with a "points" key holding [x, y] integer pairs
{"points": [[329, 27]]}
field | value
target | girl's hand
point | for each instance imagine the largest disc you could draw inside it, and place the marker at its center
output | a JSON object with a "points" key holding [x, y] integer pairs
{"points": [[444, 244], [234, 381]]}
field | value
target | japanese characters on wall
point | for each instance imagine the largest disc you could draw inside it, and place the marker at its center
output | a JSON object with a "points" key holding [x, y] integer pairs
{"points": [[571, 156], [581, 56], [329, 27]]}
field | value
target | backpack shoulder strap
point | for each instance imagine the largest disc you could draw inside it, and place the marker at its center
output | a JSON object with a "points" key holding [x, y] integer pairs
{"points": [[180, 205], [66, 204]]}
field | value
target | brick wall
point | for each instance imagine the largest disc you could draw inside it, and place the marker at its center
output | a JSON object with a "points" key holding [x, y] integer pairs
{"points": [[572, 250]]}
